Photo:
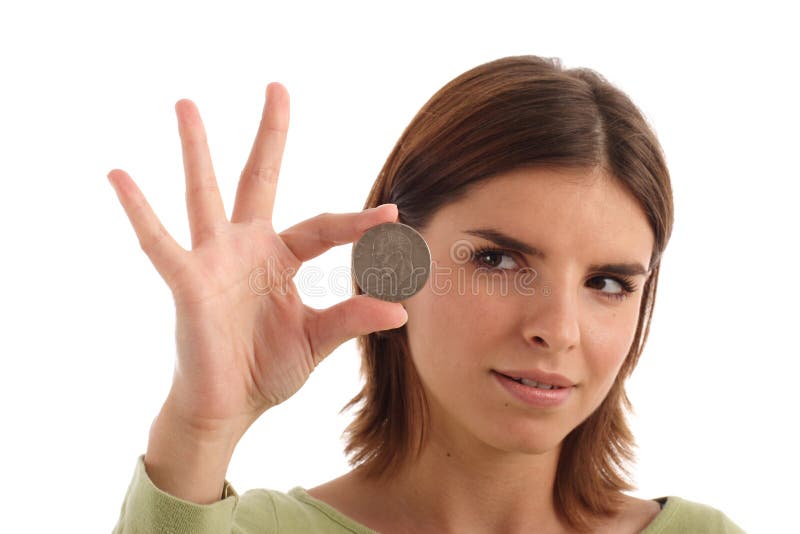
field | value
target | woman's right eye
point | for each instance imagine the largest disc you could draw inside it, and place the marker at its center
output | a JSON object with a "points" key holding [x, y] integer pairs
{"points": [[488, 258]]}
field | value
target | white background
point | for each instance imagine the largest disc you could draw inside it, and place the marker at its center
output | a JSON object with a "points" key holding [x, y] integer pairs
{"points": [[87, 340]]}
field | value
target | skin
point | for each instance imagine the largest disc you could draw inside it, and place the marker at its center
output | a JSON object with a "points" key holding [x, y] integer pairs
{"points": [[490, 462], [495, 455], [245, 343]]}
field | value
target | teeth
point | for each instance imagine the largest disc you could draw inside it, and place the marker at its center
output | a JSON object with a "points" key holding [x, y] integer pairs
{"points": [[534, 384]]}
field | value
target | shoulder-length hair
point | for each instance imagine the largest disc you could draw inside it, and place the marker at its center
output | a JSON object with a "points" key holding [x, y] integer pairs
{"points": [[512, 112]]}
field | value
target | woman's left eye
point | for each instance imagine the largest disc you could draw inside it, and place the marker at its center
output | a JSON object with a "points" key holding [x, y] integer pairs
{"points": [[627, 287], [495, 259]]}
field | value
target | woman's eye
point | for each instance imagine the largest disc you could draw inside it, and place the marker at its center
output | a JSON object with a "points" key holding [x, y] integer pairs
{"points": [[492, 259], [499, 260], [625, 287]]}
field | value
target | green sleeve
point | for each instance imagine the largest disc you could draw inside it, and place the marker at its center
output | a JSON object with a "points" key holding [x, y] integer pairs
{"points": [[682, 515], [147, 509], [704, 518]]}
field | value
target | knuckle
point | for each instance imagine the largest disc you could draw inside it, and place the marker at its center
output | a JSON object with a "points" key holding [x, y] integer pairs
{"points": [[139, 207], [326, 230], [151, 244], [267, 175], [272, 129], [287, 257], [195, 137], [207, 186], [207, 233]]}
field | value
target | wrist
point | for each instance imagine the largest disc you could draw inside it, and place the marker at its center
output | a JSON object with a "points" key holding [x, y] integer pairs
{"points": [[192, 436], [186, 462]]}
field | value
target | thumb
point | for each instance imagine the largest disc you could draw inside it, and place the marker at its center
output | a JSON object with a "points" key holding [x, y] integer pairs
{"points": [[358, 315]]}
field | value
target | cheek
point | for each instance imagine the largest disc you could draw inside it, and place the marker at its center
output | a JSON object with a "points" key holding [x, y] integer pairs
{"points": [[607, 343], [453, 332]]}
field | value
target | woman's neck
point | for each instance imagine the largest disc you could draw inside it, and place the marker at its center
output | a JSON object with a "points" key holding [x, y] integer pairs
{"points": [[468, 486]]}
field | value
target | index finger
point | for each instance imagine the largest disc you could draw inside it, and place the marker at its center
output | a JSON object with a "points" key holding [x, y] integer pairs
{"points": [[255, 194]]}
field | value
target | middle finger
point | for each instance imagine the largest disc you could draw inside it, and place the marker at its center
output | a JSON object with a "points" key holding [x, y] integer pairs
{"points": [[255, 195]]}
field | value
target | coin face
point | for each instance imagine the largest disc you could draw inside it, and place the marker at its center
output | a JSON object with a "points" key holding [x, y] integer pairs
{"points": [[391, 261]]}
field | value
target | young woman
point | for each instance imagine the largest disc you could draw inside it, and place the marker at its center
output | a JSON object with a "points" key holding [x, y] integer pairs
{"points": [[494, 397]]}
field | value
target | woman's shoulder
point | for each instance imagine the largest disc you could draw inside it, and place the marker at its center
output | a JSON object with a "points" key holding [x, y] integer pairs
{"points": [[683, 515], [296, 511]]}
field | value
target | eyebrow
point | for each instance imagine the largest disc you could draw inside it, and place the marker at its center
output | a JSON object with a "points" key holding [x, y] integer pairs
{"points": [[506, 241]]}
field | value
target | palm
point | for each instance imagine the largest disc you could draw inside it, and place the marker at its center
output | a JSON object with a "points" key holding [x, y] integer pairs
{"points": [[232, 327], [245, 340]]}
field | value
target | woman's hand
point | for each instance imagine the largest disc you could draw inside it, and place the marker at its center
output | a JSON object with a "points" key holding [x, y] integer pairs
{"points": [[245, 340]]}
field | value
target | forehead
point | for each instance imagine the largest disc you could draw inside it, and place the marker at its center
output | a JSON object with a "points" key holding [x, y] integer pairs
{"points": [[554, 209]]}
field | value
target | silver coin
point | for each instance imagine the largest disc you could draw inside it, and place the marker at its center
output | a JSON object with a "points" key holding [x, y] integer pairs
{"points": [[391, 261]]}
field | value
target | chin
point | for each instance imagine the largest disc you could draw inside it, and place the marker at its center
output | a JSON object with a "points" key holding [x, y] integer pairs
{"points": [[525, 439]]}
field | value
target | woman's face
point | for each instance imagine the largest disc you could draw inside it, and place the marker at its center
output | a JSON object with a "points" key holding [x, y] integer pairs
{"points": [[571, 319]]}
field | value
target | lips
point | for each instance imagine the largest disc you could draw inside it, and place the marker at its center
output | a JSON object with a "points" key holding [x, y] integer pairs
{"points": [[533, 396], [537, 375]]}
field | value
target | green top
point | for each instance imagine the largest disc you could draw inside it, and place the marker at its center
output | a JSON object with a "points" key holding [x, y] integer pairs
{"points": [[147, 509]]}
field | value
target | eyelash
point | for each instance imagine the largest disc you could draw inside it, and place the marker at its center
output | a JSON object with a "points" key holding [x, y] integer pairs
{"points": [[626, 283]]}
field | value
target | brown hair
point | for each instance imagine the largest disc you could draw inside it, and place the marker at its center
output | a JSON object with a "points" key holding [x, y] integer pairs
{"points": [[512, 112]]}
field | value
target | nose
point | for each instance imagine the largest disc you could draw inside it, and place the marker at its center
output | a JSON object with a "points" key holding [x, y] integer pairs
{"points": [[552, 322]]}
